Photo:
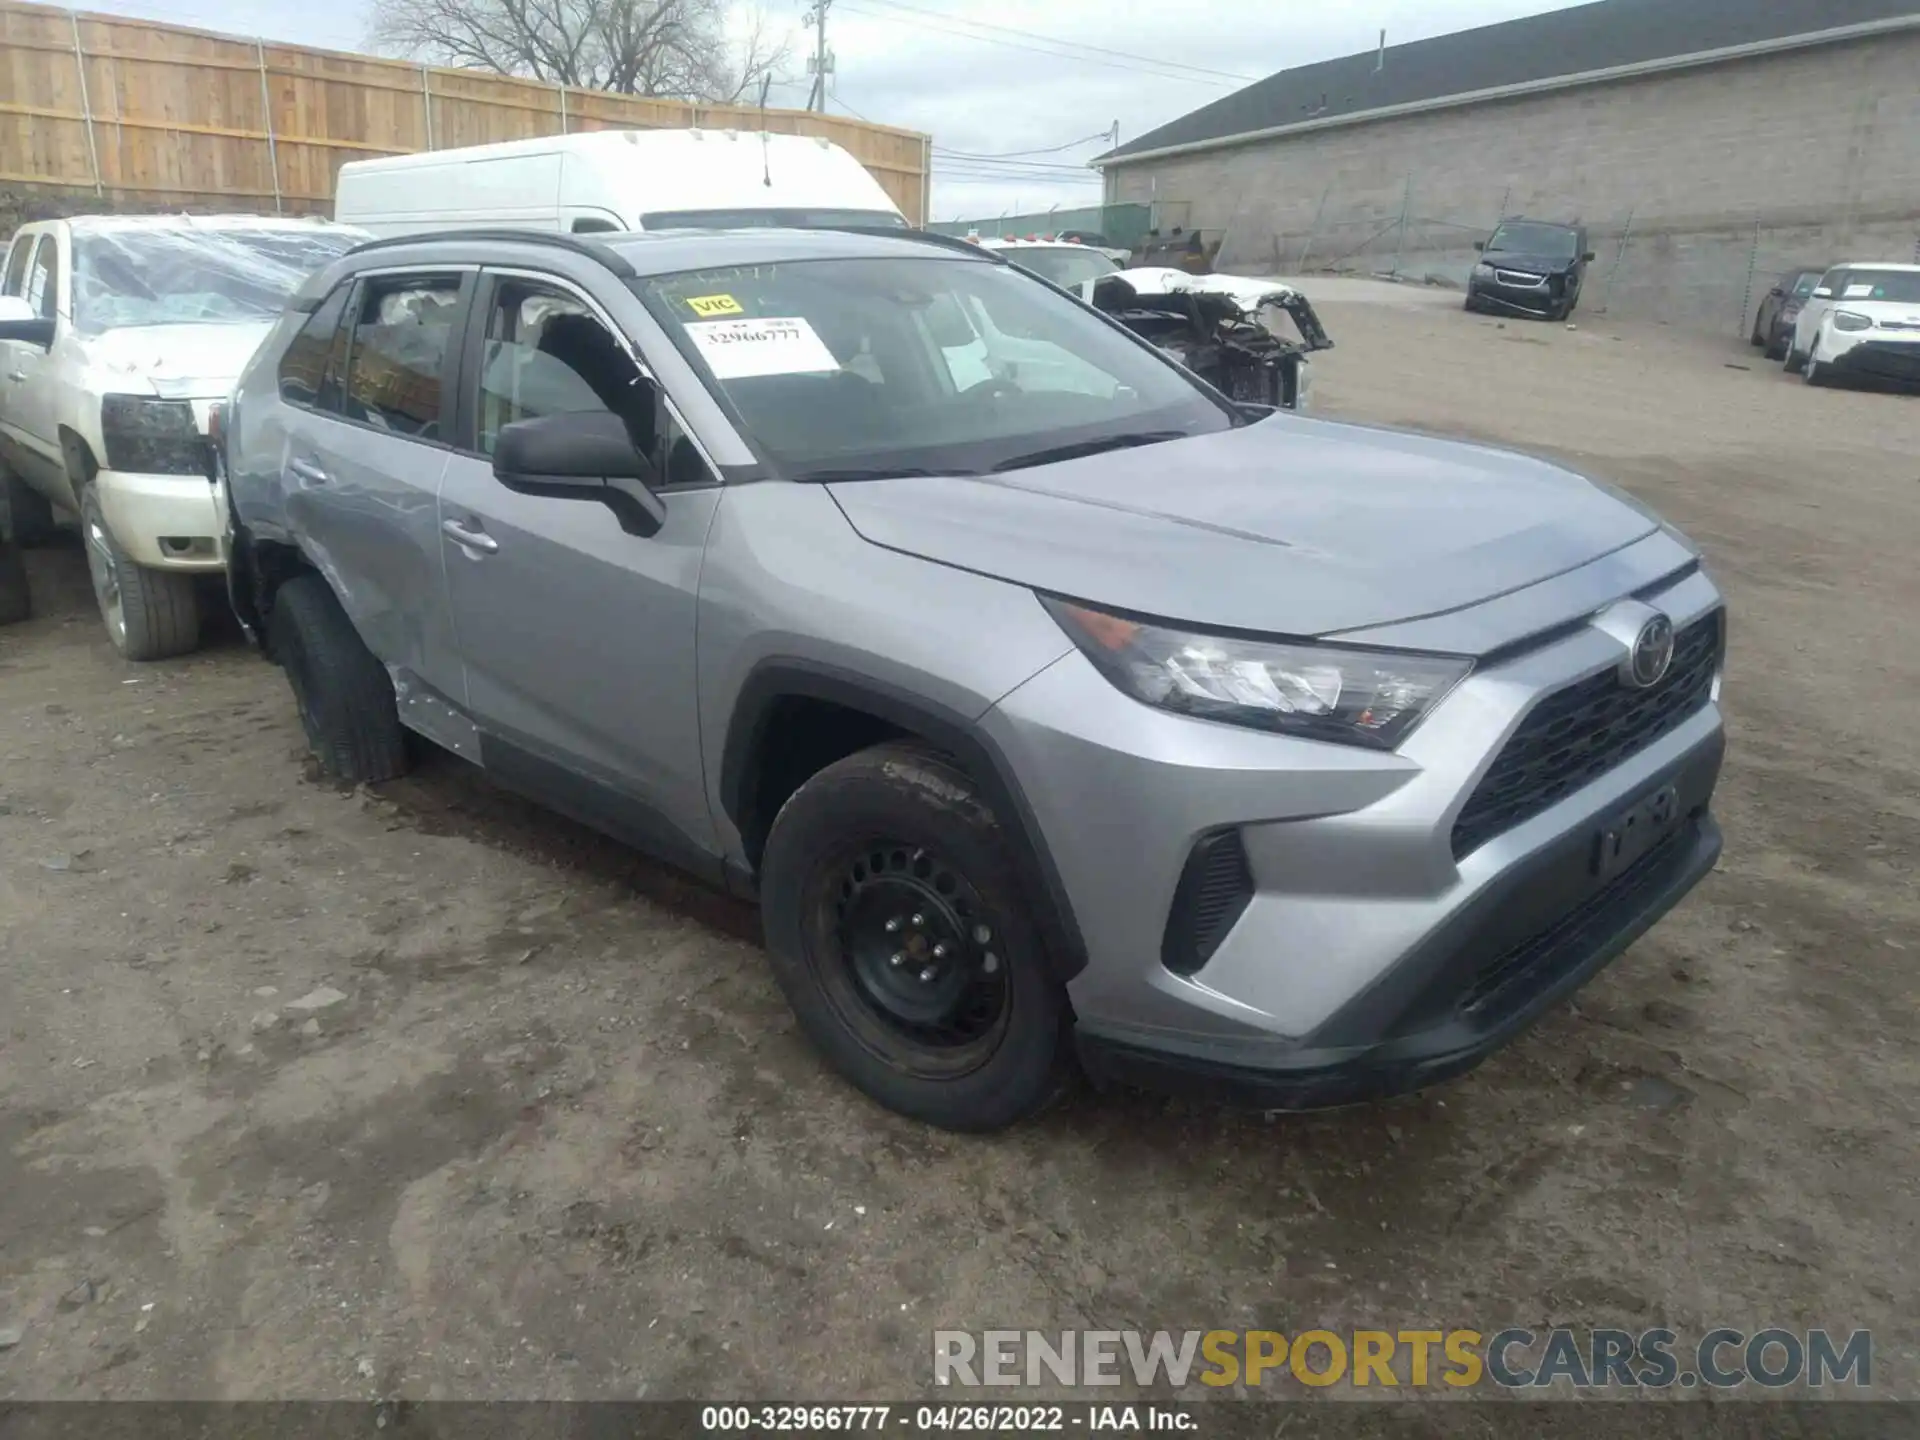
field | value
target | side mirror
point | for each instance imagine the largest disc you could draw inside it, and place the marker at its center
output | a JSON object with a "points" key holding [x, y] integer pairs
{"points": [[1776, 292], [586, 456], [1479, 244], [1822, 292], [19, 322], [1588, 257]]}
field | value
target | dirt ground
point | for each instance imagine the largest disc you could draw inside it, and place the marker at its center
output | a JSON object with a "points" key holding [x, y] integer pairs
{"points": [[553, 1133]]}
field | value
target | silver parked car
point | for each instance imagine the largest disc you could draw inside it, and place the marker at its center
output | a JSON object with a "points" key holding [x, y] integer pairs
{"points": [[1051, 704]]}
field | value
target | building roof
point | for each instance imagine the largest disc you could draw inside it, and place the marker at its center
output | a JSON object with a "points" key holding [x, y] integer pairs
{"points": [[1561, 47]]}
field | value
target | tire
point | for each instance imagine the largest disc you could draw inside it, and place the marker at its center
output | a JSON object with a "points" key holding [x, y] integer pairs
{"points": [[149, 614], [1774, 349], [343, 692], [857, 857], [16, 604], [1792, 359], [29, 513], [1757, 339], [1811, 370], [1472, 307]]}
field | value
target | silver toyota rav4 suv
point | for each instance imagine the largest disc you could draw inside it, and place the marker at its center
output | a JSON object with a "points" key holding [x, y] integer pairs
{"points": [[1052, 706]]}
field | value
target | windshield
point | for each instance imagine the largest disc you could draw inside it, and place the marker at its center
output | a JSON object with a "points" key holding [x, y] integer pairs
{"points": [[866, 368], [783, 219], [195, 276], [1067, 266], [1553, 241], [1899, 286], [1804, 283]]}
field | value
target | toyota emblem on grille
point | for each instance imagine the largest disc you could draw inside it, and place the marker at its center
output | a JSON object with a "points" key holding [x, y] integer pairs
{"points": [[1652, 652]]}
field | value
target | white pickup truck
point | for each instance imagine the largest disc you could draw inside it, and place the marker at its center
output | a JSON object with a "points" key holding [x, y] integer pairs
{"points": [[117, 335]]}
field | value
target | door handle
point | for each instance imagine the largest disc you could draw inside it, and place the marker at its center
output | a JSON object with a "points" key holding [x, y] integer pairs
{"points": [[469, 539], [308, 471], [19, 376]]}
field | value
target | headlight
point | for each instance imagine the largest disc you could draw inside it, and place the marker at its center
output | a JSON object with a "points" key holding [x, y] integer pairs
{"points": [[1319, 692], [151, 436], [1483, 268], [1851, 320]]}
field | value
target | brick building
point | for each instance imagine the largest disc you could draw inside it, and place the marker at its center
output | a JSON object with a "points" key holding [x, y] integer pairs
{"points": [[1704, 143]]}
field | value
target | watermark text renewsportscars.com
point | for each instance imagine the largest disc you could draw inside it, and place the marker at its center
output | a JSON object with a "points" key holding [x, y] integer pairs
{"points": [[1514, 1358]]}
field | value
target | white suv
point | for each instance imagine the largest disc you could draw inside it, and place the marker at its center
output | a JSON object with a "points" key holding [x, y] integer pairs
{"points": [[1862, 319], [117, 334]]}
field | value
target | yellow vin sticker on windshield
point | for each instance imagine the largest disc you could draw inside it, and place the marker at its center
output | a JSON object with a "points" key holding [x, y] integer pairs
{"points": [[711, 305]]}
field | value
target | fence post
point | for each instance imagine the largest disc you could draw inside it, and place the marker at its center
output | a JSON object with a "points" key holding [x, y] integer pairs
{"points": [[86, 103], [1626, 233], [1753, 259], [1314, 233], [563, 110], [1400, 242], [266, 109], [426, 103]]}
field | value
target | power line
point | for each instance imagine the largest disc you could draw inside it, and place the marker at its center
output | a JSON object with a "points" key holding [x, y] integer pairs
{"points": [[1104, 135], [861, 9], [1073, 44]]}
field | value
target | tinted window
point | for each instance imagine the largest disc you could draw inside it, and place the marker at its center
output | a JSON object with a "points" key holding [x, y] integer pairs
{"points": [[43, 280], [402, 329], [196, 274], [1800, 286], [945, 364], [307, 370], [17, 263], [592, 225], [547, 354]]}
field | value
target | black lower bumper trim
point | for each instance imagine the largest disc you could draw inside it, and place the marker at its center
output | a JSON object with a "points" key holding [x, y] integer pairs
{"points": [[1321, 1077]]}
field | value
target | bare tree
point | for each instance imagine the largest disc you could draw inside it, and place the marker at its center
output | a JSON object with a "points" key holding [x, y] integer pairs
{"points": [[678, 48]]}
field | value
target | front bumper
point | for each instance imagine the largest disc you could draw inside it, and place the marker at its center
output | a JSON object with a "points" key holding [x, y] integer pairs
{"points": [[162, 522], [1367, 956], [1538, 298], [1896, 361]]}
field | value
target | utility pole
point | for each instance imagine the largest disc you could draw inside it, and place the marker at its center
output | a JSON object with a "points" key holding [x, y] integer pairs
{"points": [[821, 63]]}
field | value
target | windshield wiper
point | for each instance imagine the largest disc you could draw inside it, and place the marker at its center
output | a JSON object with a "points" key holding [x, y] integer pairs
{"points": [[1081, 448]]}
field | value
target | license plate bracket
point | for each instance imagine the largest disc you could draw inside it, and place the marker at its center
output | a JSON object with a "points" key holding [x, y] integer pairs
{"points": [[1632, 832]]}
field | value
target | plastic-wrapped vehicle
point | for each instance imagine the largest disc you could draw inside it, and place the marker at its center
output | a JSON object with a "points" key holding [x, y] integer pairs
{"points": [[116, 335]]}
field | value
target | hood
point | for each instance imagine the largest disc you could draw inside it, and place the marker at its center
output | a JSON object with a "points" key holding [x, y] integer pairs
{"points": [[1251, 294], [175, 361], [1290, 526], [1532, 264]]}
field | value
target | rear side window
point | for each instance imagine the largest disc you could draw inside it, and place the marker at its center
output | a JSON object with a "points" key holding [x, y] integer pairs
{"points": [[17, 264], [43, 280], [402, 331], [309, 371]]}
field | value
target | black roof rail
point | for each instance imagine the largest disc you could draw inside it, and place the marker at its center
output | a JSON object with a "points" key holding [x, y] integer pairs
{"points": [[578, 244], [925, 237]]}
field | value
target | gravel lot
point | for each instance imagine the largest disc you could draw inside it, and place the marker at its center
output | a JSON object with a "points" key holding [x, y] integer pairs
{"points": [[316, 1093]]}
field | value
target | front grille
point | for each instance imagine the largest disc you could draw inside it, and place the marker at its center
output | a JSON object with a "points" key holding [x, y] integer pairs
{"points": [[1214, 891], [1518, 277], [1569, 935], [1576, 735]]}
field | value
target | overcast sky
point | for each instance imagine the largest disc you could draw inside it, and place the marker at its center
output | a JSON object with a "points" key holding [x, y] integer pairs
{"points": [[934, 65]]}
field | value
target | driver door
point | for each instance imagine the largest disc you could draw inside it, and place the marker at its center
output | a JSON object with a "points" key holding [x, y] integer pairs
{"points": [[577, 637], [27, 379]]}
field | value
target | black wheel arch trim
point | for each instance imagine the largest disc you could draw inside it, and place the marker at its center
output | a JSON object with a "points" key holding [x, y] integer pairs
{"points": [[775, 679]]}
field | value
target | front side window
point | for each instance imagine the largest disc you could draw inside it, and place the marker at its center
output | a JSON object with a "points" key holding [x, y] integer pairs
{"points": [[1550, 241], [1803, 284], [402, 331], [43, 280], [856, 368], [190, 274], [310, 369], [17, 264], [547, 353]]}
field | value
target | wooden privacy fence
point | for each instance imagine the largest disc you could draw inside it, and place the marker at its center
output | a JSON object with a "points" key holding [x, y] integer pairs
{"points": [[158, 114]]}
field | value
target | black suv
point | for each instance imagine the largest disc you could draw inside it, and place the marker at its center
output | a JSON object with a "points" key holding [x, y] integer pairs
{"points": [[1530, 267]]}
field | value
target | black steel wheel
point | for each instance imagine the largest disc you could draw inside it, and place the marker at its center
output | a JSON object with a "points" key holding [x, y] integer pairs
{"points": [[898, 925]]}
